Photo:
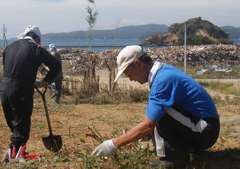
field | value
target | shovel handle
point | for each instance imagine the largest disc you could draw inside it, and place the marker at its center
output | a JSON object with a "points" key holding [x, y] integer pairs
{"points": [[42, 93]]}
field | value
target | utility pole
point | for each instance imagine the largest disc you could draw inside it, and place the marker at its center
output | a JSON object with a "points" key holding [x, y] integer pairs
{"points": [[4, 38], [185, 48]]}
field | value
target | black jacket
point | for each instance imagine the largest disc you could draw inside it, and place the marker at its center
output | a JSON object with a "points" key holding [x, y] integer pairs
{"points": [[22, 58]]}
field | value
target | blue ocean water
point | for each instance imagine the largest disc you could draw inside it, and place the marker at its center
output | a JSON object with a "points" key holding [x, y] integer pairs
{"points": [[94, 44], [237, 41]]}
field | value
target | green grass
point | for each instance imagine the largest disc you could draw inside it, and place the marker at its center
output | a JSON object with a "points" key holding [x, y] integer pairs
{"points": [[228, 92], [224, 88]]}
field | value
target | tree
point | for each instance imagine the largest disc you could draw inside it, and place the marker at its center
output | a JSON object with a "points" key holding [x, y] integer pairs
{"points": [[91, 17]]}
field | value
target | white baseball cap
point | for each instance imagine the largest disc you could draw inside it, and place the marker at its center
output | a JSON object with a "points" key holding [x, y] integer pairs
{"points": [[52, 47], [30, 28], [126, 56]]}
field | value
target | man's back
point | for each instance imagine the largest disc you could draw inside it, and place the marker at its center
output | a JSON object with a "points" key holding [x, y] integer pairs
{"points": [[22, 58], [173, 88]]}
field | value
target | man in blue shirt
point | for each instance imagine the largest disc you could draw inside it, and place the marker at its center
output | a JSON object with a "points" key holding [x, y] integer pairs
{"points": [[180, 112]]}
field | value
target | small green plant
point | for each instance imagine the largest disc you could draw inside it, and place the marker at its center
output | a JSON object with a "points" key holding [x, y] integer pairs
{"points": [[39, 125], [91, 162], [132, 156]]}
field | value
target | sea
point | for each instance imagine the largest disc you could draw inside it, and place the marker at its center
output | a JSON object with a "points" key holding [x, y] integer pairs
{"points": [[94, 44]]}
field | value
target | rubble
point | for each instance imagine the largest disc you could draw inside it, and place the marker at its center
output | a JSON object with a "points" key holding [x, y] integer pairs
{"points": [[211, 54], [81, 59]]}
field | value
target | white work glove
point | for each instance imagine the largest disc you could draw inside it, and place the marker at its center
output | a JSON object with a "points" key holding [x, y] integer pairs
{"points": [[105, 149], [40, 84]]}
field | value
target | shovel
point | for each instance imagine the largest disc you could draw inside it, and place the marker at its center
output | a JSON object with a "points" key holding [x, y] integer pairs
{"points": [[51, 142]]}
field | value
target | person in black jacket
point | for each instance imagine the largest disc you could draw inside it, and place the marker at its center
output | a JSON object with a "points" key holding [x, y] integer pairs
{"points": [[21, 60]]}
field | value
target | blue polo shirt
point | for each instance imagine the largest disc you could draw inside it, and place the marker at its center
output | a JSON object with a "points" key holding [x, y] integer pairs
{"points": [[172, 87]]}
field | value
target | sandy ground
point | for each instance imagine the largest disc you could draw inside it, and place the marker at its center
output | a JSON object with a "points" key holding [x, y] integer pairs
{"points": [[72, 122]]}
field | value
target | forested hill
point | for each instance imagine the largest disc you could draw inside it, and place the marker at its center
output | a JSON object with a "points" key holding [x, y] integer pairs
{"points": [[198, 32]]}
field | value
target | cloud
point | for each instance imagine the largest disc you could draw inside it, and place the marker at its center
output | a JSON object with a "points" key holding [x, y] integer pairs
{"points": [[51, 1], [69, 15]]}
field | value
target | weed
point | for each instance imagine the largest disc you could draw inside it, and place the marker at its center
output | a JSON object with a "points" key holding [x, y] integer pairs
{"points": [[134, 156], [138, 95], [224, 88], [39, 125], [120, 96]]}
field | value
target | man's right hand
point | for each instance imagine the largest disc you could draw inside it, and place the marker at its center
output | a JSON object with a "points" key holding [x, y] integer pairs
{"points": [[40, 84], [105, 149]]}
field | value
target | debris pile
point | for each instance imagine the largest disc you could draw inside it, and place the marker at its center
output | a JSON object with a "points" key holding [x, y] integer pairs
{"points": [[211, 54], [81, 59]]}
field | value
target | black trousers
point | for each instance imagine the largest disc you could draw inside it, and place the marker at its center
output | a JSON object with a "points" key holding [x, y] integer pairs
{"points": [[17, 103], [179, 138], [58, 89]]}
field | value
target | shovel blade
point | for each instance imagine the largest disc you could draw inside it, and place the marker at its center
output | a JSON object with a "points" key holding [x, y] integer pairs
{"points": [[52, 142]]}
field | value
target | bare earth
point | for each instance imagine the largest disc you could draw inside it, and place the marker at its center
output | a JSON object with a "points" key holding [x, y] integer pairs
{"points": [[72, 122]]}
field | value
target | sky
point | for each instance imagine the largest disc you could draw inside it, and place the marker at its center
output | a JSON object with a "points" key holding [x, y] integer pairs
{"points": [[54, 16]]}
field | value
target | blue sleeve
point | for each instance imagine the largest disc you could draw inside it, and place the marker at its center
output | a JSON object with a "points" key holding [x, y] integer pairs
{"points": [[162, 94]]}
